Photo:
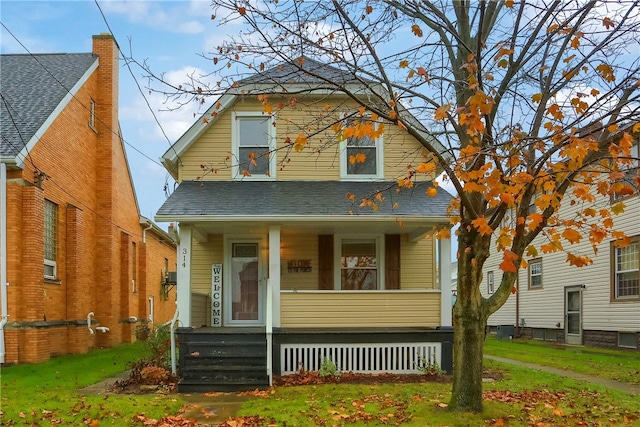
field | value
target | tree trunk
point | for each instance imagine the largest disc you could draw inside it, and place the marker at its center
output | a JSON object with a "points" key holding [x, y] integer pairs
{"points": [[469, 324]]}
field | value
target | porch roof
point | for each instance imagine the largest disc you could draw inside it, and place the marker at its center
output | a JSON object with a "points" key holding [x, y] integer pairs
{"points": [[327, 200]]}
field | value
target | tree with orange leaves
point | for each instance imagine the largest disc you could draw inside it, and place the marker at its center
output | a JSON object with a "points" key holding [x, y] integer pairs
{"points": [[534, 102]]}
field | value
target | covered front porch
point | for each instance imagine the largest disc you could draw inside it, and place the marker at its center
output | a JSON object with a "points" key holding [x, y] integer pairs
{"points": [[370, 291]]}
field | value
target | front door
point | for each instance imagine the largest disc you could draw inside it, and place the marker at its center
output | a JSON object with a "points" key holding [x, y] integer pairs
{"points": [[573, 315], [244, 303]]}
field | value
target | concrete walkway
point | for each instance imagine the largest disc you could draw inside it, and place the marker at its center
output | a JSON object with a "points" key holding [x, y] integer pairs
{"points": [[617, 385]]}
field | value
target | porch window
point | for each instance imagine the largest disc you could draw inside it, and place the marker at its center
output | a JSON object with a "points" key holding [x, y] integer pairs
{"points": [[253, 136], [535, 274], [361, 157], [359, 264], [626, 266], [50, 239]]}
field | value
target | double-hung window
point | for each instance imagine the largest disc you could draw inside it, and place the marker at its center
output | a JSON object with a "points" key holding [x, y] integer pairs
{"points": [[626, 269], [361, 156], [253, 140], [490, 288], [359, 263], [50, 239], [535, 274]]}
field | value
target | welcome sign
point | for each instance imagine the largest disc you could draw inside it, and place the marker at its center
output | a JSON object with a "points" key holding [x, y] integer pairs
{"points": [[216, 295]]}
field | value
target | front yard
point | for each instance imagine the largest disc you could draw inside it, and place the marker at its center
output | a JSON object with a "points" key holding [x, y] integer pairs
{"points": [[47, 394]]}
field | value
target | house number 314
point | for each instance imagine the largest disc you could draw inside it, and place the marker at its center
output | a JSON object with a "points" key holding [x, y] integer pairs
{"points": [[184, 257]]}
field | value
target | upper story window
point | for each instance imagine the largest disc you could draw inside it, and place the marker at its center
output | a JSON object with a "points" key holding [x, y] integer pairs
{"points": [[92, 114], [535, 273], [253, 140], [361, 156], [359, 263], [631, 179], [50, 239], [626, 271], [490, 286]]}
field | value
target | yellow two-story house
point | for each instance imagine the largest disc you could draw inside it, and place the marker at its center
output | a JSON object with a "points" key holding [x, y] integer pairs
{"points": [[281, 266]]}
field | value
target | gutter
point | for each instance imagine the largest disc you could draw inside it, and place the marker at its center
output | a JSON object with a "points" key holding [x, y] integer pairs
{"points": [[300, 218], [3, 257]]}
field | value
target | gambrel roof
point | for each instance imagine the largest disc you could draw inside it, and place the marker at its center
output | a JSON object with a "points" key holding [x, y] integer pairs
{"points": [[34, 90]]}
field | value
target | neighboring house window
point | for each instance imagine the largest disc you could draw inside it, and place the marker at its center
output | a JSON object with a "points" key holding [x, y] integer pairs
{"points": [[490, 282], [134, 266], [361, 158], [50, 239], [253, 139], [535, 273], [92, 114], [631, 178], [359, 263], [626, 268]]}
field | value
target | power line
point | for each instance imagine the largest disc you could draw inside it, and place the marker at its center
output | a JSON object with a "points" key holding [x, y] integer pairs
{"points": [[119, 135], [104, 18]]}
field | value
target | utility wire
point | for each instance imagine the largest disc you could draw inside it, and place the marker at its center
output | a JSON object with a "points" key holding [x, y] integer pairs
{"points": [[104, 18], [119, 135]]}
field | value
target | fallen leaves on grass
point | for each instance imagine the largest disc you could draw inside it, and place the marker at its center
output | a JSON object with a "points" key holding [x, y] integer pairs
{"points": [[166, 421], [314, 378]]}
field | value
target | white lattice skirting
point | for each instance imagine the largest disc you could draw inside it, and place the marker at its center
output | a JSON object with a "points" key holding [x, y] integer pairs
{"points": [[399, 358]]}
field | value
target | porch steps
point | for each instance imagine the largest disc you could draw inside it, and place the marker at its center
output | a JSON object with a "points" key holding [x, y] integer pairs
{"points": [[223, 362]]}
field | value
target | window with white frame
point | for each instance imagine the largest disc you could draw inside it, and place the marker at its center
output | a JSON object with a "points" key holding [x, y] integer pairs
{"points": [[535, 274], [626, 266], [253, 140], [92, 114], [359, 267], [50, 239], [630, 180], [361, 155], [490, 288]]}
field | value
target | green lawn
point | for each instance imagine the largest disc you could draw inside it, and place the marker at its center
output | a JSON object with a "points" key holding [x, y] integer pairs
{"points": [[612, 364], [46, 394]]}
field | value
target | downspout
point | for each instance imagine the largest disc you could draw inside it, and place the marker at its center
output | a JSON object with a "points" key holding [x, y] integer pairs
{"points": [[144, 232], [3, 255]]}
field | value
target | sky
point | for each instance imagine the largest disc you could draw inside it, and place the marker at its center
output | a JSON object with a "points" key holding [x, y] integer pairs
{"points": [[170, 36]]}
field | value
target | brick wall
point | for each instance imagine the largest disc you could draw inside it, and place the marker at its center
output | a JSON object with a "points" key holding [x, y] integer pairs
{"points": [[87, 177]]}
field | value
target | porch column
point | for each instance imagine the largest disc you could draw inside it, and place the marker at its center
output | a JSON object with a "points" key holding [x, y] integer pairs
{"points": [[183, 292], [274, 272], [444, 266]]}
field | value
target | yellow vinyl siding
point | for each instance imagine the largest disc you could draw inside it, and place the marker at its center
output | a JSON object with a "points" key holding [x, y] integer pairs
{"points": [[202, 256], [319, 160], [212, 149], [299, 247], [359, 309], [417, 270]]}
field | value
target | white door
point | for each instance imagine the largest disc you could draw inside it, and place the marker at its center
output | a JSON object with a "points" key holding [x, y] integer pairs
{"points": [[244, 302], [573, 315]]}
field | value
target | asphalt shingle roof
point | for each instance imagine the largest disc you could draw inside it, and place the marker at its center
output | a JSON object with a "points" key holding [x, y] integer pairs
{"points": [[32, 86], [301, 72], [299, 198]]}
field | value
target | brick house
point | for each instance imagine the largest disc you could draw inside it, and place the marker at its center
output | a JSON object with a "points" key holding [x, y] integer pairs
{"points": [[73, 240]]}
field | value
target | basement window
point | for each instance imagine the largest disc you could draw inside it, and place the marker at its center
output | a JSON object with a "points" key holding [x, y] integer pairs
{"points": [[627, 340]]}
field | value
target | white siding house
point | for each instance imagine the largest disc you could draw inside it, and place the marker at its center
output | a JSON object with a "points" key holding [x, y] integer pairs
{"points": [[597, 305]]}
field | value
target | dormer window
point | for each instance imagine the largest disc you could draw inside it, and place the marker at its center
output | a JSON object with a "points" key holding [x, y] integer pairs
{"points": [[361, 156], [253, 139]]}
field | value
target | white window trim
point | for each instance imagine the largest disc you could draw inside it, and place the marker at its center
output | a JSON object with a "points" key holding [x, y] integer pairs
{"points": [[337, 251], [617, 272], [344, 159], [235, 146], [531, 275], [53, 264], [490, 283]]}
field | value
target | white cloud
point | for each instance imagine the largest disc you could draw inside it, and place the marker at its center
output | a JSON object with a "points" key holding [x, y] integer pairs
{"points": [[175, 17]]}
